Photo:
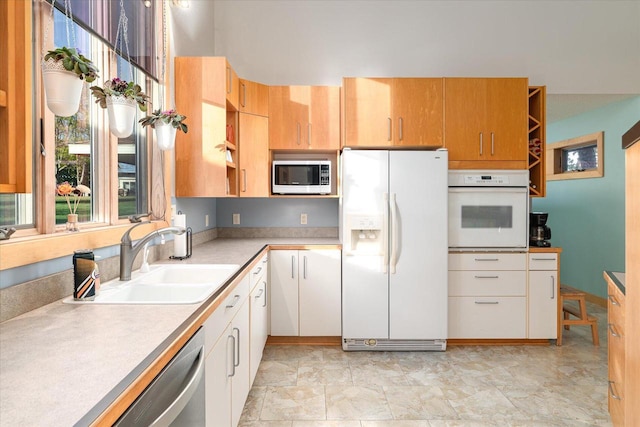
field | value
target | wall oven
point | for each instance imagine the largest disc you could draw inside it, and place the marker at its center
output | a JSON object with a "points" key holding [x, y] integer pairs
{"points": [[488, 210]]}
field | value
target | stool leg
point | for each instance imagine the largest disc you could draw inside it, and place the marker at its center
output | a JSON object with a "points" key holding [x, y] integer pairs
{"points": [[594, 333], [566, 317]]}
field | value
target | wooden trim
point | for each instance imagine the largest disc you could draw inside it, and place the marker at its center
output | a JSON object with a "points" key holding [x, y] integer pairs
{"points": [[487, 164], [17, 252], [631, 136], [498, 341], [334, 341], [554, 157], [595, 299]]}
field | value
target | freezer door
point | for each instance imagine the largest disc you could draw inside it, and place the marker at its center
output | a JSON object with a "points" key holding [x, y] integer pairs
{"points": [[365, 302], [419, 248]]}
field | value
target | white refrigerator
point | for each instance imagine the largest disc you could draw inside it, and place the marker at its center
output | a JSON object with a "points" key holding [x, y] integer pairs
{"points": [[393, 230]]}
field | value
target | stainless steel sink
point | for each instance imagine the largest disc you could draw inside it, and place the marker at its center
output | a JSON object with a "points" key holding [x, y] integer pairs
{"points": [[165, 284]]}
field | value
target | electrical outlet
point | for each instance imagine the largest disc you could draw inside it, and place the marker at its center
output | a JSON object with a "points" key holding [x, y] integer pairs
{"points": [[303, 218], [236, 219], [206, 220], [173, 211]]}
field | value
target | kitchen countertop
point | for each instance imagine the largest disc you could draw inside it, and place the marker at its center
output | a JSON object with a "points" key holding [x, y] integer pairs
{"points": [[64, 364], [618, 279]]}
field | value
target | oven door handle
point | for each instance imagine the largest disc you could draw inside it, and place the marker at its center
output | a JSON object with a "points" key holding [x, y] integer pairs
{"points": [[176, 407], [516, 190]]}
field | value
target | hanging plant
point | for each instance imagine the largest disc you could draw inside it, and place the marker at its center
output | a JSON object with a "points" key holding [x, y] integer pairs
{"points": [[64, 70], [166, 123], [120, 97]]}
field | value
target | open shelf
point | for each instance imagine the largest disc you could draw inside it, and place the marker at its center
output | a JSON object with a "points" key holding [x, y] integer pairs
{"points": [[537, 135]]}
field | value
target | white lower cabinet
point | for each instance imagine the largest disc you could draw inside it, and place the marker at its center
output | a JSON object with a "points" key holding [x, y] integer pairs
{"points": [[259, 316], [227, 363], [305, 292], [487, 295], [543, 295]]}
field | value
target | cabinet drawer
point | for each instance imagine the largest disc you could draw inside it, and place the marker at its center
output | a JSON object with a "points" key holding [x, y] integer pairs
{"points": [[487, 317], [488, 261], [487, 283], [543, 261], [258, 271], [223, 315]]}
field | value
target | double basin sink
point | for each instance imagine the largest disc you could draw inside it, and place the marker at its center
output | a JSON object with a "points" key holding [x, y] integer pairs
{"points": [[165, 284]]}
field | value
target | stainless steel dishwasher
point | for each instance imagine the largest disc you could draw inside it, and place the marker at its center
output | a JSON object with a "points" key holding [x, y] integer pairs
{"points": [[176, 396]]}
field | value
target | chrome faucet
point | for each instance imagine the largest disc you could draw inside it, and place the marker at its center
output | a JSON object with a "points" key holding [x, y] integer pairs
{"points": [[129, 250]]}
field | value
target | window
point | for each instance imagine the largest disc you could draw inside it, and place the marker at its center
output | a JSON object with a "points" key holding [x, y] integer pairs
{"points": [[580, 157], [112, 173]]}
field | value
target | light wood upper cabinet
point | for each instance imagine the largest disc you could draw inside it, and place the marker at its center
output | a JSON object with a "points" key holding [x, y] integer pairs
{"points": [[254, 98], [486, 120], [232, 87], [15, 97], [304, 118], [200, 154], [254, 155], [383, 112]]}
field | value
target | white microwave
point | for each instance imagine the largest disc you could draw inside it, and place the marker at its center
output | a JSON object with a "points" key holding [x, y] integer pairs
{"points": [[301, 177]]}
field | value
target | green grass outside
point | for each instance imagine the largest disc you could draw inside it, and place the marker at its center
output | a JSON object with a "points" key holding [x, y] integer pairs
{"points": [[126, 206]]}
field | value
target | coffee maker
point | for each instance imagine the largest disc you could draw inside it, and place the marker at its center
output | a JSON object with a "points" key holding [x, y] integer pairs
{"points": [[539, 233]]}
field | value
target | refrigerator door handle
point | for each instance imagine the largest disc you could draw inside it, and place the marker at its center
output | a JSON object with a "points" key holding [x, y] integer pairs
{"points": [[385, 239], [394, 233]]}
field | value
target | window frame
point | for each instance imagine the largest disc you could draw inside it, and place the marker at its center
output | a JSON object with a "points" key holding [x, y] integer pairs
{"points": [[554, 157], [45, 240]]}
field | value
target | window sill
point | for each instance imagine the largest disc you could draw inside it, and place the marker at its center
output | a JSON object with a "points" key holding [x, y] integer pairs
{"points": [[30, 249]]}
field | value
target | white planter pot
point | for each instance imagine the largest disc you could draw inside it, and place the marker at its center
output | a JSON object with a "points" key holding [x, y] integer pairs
{"points": [[165, 136], [62, 88], [122, 114]]}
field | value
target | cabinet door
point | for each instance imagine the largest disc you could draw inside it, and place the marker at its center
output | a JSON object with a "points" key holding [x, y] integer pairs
{"points": [[233, 88], [218, 379], [507, 119], [259, 326], [320, 293], [418, 112], [198, 157], [284, 292], [254, 98], [543, 304], [240, 380], [367, 105], [288, 117], [464, 118], [323, 131], [254, 155]]}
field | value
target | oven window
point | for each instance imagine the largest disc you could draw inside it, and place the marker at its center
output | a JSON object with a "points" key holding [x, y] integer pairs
{"points": [[487, 216]]}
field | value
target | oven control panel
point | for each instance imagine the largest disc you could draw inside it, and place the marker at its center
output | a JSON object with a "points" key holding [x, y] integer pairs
{"points": [[488, 178]]}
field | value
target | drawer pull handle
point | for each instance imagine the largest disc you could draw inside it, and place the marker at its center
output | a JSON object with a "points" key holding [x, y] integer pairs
{"points": [[543, 259], [487, 277], [613, 300], [487, 302], [486, 259], [613, 332], [259, 294], [611, 393], [236, 298], [258, 270]]}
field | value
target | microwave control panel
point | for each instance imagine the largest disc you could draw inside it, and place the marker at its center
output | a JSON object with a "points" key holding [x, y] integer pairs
{"points": [[325, 174]]}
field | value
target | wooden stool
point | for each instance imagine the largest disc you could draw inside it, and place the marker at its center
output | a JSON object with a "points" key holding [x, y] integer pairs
{"points": [[569, 293]]}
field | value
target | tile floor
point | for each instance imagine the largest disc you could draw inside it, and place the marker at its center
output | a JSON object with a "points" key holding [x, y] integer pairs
{"points": [[308, 386]]}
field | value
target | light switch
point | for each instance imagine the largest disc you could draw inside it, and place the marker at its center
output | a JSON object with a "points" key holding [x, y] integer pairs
{"points": [[236, 219]]}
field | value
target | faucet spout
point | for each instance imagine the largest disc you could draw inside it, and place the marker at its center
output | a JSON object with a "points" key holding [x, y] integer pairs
{"points": [[129, 250]]}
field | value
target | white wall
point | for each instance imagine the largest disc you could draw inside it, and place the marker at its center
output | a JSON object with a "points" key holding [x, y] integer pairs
{"points": [[573, 47]]}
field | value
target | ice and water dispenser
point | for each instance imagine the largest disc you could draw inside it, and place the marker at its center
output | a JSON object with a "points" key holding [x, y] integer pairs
{"points": [[365, 234]]}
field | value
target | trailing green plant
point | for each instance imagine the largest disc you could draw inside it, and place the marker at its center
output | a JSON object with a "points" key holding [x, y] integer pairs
{"points": [[169, 117], [117, 87], [73, 60]]}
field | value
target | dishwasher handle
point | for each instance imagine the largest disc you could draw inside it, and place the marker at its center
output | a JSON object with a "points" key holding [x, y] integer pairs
{"points": [[176, 407]]}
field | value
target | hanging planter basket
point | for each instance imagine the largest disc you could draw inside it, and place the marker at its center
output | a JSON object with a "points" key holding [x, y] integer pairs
{"points": [[122, 115], [62, 88], [165, 135]]}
